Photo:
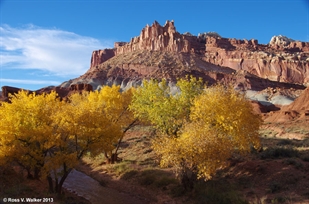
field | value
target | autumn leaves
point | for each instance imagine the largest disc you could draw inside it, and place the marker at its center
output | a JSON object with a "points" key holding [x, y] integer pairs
{"points": [[43, 134], [198, 128]]}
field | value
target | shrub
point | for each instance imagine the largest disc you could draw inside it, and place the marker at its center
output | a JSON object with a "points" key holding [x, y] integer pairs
{"points": [[305, 158], [129, 174], [293, 162], [284, 142], [272, 153], [214, 192], [274, 187], [147, 180], [164, 181]]}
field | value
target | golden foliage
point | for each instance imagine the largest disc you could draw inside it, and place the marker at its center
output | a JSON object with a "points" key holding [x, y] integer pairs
{"points": [[41, 132], [26, 127], [212, 124]]}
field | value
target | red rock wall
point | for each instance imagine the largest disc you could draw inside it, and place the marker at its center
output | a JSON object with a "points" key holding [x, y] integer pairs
{"points": [[100, 56], [81, 87], [261, 60], [158, 38], [281, 60]]}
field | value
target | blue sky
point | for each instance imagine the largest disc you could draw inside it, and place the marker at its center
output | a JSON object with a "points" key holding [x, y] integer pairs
{"points": [[46, 42]]}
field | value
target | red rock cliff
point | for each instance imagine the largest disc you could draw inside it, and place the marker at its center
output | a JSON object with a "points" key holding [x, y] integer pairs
{"points": [[100, 56], [153, 38], [278, 61], [282, 60], [158, 38]]}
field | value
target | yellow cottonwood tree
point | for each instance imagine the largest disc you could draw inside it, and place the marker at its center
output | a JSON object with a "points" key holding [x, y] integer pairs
{"points": [[167, 111], [113, 104], [222, 123], [26, 130], [48, 137], [82, 127]]}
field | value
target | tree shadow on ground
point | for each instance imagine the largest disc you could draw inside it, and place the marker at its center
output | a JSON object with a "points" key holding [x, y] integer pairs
{"points": [[278, 174]]}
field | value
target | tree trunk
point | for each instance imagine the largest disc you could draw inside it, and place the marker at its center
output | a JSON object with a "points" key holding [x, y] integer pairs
{"points": [[113, 158], [50, 184], [37, 173], [65, 175], [61, 182], [188, 178], [29, 175]]}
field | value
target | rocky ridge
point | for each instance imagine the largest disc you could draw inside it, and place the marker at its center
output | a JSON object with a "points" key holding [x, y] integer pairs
{"points": [[282, 60], [63, 92], [162, 52]]}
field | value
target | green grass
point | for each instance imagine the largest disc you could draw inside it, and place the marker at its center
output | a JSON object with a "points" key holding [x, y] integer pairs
{"points": [[156, 178], [120, 168], [299, 130]]}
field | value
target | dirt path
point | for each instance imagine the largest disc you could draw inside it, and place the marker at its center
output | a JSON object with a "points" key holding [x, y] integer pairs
{"points": [[90, 189]]}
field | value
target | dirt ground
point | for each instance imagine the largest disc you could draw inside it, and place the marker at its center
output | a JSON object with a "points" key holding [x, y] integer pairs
{"points": [[15, 185], [277, 174]]}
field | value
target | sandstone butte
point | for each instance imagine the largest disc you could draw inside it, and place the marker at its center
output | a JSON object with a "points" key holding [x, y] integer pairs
{"points": [[279, 67], [282, 60]]}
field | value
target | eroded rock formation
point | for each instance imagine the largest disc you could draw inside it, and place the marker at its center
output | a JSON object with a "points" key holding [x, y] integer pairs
{"points": [[81, 87], [153, 38], [282, 60], [284, 43], [161, 38], [100, 56], [275, 61]]}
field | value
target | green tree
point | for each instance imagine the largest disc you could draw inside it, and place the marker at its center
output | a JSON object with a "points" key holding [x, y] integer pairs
{"points": [[164, 108]]}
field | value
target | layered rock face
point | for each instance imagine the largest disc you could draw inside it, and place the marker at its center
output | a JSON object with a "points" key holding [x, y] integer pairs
{"points": [[158, 38], [100, 56], [153, 38], [276, 61], [282, 60]]}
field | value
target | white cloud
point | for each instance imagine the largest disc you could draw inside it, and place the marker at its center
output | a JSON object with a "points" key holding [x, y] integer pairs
{"points": [[32, 82], [57, 51]]}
